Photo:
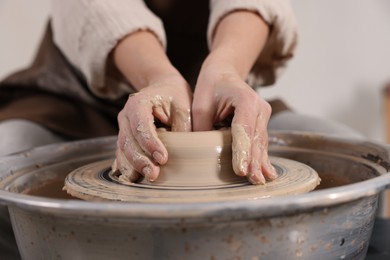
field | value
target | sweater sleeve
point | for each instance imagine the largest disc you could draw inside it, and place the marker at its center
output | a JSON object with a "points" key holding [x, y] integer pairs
{"points": [[281, 42], [86, 31]]}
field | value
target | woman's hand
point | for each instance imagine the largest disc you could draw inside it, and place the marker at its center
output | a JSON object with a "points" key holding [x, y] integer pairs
{"points": [[221, 92], [219, 95], [138, 145], [163, 94]]}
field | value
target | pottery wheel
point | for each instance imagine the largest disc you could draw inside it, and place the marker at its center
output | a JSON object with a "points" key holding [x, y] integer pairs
{"points": [[96, 181]]}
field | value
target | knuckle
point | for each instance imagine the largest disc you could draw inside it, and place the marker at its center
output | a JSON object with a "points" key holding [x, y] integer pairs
{"points": [[262, 143], [248, 95], [137, 160], [120, 143], [266, 107], [121, 115], [263, 107], [150, 145]]}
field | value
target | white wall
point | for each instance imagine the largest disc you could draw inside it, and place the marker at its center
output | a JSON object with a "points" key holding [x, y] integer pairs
{"points": [[22, 24], [340, 68], [342, 63]]}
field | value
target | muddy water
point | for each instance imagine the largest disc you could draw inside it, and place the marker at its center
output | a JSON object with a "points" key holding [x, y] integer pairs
{"points": [[51, 190], [331, 182]]}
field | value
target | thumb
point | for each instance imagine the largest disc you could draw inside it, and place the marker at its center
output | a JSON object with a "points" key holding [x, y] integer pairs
{"points": [[181, 120]]}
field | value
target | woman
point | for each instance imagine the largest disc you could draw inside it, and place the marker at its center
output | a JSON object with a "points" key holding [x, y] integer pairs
{"points": [[187, 65], [105, 50]]}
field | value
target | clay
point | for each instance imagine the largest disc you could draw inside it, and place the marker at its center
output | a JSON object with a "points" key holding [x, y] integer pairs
{"points": [[55, 190], [199, 163]]}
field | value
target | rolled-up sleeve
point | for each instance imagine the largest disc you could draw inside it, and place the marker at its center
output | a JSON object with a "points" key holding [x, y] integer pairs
{"points": [[86, 31], [281, 42]]}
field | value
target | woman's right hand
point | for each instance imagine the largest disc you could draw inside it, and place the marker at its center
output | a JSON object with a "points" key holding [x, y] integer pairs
{"points": [[139, 150], [163, 94]]}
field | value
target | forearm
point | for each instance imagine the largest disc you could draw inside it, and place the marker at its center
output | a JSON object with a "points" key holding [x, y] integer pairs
{"points": [[237, 42], [142, 60], [221, 92]]}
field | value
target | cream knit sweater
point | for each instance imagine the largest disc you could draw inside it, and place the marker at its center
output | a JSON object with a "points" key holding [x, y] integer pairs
{"points": [[86, 31]]}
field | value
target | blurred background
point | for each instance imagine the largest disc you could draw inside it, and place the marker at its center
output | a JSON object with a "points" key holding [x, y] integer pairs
{"points": [[339, 72]]}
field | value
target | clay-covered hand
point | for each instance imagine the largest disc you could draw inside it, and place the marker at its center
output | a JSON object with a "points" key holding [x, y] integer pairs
{"points": [[221, 92], [163, 94], [220, 95], [138, 146]]}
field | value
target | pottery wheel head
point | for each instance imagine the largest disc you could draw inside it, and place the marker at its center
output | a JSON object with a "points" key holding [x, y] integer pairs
{"points": [[199, 169]]}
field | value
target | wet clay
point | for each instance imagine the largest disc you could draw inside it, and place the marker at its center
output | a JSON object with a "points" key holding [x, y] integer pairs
{"points": [[199, 168], [54, 189], [96, 181]]}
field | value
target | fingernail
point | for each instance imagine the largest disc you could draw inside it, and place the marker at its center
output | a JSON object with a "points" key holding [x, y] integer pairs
{"points": [[158, 157], [271, 172], [147, 171], [256, 179]]}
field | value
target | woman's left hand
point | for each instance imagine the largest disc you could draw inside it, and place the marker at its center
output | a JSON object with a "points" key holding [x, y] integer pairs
{"points": [[220, 94]]}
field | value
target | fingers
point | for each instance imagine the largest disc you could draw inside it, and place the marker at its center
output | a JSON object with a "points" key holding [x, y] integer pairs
{"points": [[250, 141], [140, 120], [203, 112], [171, 113], [243, 127], [121, 164], [260, 167], [240, 149], [138, 142], [181, 120], [131, 157], [139, 150]]}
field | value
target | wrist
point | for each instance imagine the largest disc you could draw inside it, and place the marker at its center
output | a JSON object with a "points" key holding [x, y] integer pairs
{"points": [[217, 66], [239, 39], [141, 59], [163, 80]]}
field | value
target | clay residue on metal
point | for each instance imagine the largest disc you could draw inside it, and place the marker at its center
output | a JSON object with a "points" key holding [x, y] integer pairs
{"points": [[377, 159]]}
